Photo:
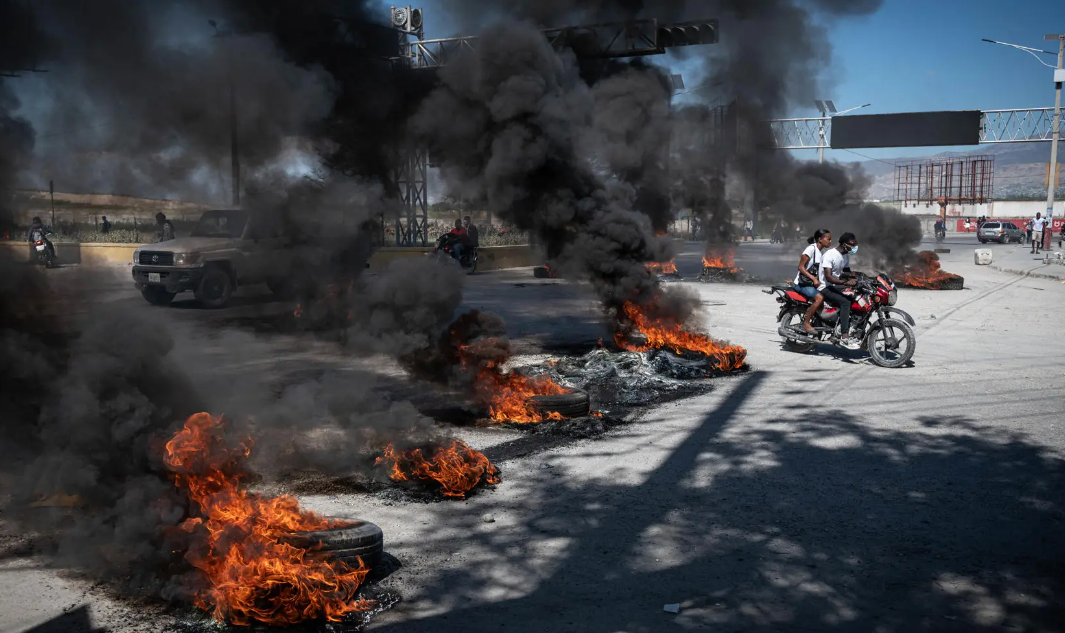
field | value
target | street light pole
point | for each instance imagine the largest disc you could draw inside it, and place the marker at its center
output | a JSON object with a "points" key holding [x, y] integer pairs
{"points": [[234, 144], [828, 111], [1059, 76]]}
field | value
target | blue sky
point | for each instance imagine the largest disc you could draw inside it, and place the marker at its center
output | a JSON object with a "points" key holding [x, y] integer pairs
{"points": [[916, 55]]}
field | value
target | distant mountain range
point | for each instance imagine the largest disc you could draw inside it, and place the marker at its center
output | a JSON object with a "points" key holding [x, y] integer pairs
{"points": [[1019, 170]]}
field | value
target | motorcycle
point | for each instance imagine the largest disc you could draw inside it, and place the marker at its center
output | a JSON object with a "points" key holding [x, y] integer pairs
{"points": [[445, 246], [43, 252], [889, 337], [940, 236]]}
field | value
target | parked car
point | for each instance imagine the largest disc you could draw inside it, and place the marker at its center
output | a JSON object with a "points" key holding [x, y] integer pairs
{"points": [[1001, 232]]}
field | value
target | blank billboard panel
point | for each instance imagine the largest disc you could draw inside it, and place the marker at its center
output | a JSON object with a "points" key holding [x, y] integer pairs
{"points": [[906, 129]]}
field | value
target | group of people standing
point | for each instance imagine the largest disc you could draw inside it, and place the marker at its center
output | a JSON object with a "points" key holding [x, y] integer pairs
{"points": [[823, 274]]}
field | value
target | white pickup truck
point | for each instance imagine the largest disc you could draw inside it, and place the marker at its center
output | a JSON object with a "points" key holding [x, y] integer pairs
{"points": [[228, 248]]}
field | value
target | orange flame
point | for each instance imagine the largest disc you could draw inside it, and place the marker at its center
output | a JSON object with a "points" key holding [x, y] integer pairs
{"points": [[925, 274], [724, 259], [662, 268], [661, 334], [457, 468], [337, 295], [248, 571], [507, 393]]}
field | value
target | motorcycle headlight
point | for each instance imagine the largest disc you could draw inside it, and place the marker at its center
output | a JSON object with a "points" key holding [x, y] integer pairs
{"points": [[892, 297], [186, 259]]}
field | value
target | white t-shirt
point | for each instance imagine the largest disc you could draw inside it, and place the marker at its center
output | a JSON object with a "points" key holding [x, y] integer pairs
{"points": [[1037, 224], [814, 254], [836, 261]]}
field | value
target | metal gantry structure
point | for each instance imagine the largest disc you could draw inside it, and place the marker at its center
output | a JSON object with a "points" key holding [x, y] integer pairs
{"points": [[1024, 125], [604, 41]]}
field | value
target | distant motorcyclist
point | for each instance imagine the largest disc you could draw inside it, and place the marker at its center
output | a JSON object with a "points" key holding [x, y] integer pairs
{"points": [[458, 239], [166, 229], [38, 232], [835, 265]]}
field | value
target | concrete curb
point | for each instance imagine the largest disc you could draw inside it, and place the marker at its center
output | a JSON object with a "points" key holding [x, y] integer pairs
{"points": [[1029, 273]]}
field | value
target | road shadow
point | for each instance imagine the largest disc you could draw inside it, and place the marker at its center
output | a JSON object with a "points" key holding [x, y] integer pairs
{"points": [[817, 522], [73, 621]]}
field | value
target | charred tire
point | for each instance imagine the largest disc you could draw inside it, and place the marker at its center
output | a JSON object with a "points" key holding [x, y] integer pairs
{"points": [[788, 320], [541, 272], [215, 288], [901, 330], [363, 540], [157, 295], [574, 404]]}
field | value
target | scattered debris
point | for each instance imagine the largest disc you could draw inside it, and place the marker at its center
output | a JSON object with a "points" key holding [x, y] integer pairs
{"points": [[672, 608]]}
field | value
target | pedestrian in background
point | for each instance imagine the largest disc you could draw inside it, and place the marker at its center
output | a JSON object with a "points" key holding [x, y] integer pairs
{"points": [[1037, 232], [105, 226], [166, 229]]}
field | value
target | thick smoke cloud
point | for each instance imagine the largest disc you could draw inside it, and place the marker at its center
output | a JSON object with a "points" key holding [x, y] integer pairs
{"points": [[508, 123], [136, 99]]}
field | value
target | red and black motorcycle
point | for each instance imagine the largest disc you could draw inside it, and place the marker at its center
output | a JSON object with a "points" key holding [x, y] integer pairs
{"points": [[884, 331]]}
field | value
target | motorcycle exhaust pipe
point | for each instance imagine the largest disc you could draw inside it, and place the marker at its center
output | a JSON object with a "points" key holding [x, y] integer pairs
{"points": [[790, 334]]}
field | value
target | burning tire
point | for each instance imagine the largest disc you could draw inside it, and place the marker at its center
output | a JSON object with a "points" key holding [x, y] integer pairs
{"points": [[362, 540], [574, 404], [542, 272]]}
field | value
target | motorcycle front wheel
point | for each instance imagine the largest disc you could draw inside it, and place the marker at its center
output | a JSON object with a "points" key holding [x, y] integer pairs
{"points": [[891, 343]]}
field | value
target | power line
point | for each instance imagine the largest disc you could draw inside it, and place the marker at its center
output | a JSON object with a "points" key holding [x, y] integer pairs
{"points": [[870, 158]]}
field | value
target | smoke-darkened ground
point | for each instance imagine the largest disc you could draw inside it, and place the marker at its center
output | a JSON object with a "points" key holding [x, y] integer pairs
{"points": [[751, 506], [575, 152]]}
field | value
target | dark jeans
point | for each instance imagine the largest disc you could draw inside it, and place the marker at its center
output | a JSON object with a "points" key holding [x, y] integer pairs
{"points": [[833, 296], [456, 248]]}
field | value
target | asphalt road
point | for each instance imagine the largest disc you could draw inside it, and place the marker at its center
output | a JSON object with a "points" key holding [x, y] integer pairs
{"points": [[814, 493]]}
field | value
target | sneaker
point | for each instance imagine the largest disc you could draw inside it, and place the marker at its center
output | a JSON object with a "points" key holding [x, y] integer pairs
{"points": [[849, 343]]}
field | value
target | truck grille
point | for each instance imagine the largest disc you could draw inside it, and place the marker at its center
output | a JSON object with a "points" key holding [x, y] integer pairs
{"points": [[156, 258]]}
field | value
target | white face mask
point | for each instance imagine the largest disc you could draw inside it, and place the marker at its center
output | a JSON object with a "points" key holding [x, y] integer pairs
{"points": [[853, 250]]}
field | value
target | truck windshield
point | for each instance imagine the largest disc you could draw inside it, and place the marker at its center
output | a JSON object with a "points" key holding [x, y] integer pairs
{"points": [[221, 224]]}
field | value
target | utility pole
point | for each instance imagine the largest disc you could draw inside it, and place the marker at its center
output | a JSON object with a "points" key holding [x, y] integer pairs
{"points": [[234, 144], [1059, 77]]}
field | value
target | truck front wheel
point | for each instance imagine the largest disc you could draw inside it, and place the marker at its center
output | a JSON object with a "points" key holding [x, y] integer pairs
{"points": [[215, 288]]}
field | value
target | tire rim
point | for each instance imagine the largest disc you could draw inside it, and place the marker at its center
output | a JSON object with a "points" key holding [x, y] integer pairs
{"points": [[213, 289], [887, 343]]}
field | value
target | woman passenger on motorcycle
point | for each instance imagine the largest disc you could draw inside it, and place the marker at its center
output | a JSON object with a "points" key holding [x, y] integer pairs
{"points": [[808, 282]]}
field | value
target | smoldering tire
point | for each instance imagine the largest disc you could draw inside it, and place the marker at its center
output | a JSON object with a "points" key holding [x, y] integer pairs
{"points": [[574, 404]]}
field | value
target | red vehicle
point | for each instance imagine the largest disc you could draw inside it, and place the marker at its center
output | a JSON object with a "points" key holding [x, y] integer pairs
{"points": [[884, 331]]}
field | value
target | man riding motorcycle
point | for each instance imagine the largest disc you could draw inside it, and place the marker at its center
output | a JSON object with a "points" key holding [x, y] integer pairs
{"points": [[38, 232], [835, 265], [459, 238]]}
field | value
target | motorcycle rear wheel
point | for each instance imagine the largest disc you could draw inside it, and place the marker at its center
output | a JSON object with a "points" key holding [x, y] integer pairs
{"points": [[794, 318], [891, 343]]}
